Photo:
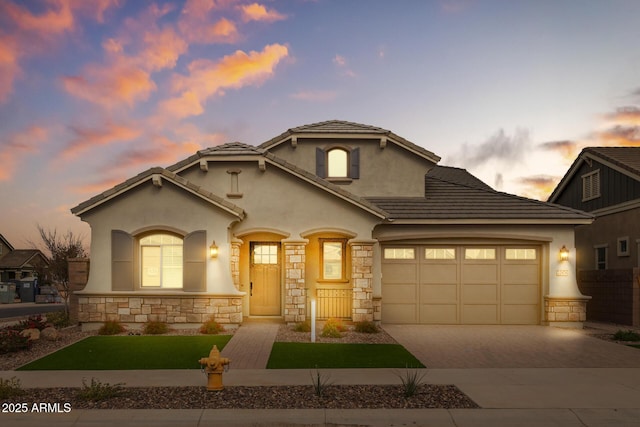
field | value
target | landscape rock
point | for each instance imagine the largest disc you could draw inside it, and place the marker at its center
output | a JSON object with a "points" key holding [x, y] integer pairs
{"points": [[49, 334], [33, 334]]}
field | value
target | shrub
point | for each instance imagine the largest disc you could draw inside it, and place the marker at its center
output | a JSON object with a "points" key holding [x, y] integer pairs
{"points": [[155, 327], [411, 381], [211, 327], [320, 382], [10, 388], [11, 341], [111, 327], [367, 327], [100, 391], [33, 322], [303, 326], [333, 328], [627, 335], [59, 319]]}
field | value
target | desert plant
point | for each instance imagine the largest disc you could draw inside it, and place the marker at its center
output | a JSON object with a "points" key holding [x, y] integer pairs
{"points": [[627, 335], [320, 382], [97, 390], [366, 327], [211, 327], [111, 327], [10, 388], [11, 340], [154, 327], [59, 319], [303, 326], [333, 328], [411, 381]]}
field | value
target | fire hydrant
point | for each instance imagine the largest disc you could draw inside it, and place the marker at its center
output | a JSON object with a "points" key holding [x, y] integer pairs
{"points": [[213, 367]]}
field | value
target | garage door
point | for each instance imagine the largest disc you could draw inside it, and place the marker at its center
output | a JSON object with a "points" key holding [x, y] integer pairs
{"points": [[472, 284]]}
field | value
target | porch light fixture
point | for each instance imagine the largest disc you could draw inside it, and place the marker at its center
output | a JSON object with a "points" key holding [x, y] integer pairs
{"points": [[564, 253], [213, 250]]}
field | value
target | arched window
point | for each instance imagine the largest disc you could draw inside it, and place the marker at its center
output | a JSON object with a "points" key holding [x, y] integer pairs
{"points": [[337, 163], [161, 258]]}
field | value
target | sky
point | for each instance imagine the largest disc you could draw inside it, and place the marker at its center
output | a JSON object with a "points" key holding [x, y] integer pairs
{"points": [[95, 92]]}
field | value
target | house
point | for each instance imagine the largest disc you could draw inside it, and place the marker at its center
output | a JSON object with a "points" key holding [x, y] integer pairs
{"points": [[605, 181], [16, 264], [352, 218]]}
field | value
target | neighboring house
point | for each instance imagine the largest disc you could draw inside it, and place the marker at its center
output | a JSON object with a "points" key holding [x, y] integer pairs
{"points": [[605, 181], [353, 217], [5, 246], [21, 263]]}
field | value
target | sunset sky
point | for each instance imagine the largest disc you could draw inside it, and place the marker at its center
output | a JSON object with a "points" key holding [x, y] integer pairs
{"points": [[94, 92]]}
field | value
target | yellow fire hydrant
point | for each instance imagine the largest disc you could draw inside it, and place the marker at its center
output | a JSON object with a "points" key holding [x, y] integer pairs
{"points": [[213, 367]]}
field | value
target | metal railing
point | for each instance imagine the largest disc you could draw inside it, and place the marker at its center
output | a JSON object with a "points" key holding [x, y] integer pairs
{"points": [[334, 303]]}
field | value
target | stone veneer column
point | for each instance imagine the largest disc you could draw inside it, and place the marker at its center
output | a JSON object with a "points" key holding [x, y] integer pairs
{"points": [[78, 276], [295, 304], [567, 312], [235, 262], [362, 280]]}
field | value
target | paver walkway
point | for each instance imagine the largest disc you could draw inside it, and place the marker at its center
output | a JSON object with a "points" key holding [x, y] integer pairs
{"points": [[251, 345], [503, 346]]}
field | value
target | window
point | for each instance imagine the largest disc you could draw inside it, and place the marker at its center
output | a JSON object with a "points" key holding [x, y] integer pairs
{"points": [[520, 254], [601, 258], [440, 253], [623, 246], [339, 163], [480, 253], [266, 253], [591, 185], [332, 259], [399, 253], [161, 257]]}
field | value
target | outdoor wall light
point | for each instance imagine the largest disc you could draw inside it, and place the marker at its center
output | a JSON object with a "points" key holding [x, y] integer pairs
{"points": [[564, 253], [213, 250]]}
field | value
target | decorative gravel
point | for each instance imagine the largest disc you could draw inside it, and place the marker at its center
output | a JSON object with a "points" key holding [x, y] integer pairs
{"points": [[264, 397]]}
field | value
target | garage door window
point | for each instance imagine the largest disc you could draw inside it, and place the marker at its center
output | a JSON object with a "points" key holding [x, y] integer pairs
{"points": [[399, 253], [521, 254], [440, 253], [480, 253]]}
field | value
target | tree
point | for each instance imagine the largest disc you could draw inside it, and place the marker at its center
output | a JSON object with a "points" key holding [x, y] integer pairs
{"points": [[61, 248]]}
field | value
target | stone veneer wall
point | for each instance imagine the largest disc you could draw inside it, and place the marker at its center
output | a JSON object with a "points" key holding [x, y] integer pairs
{"points": [[295, 303], [565, 310], [170, 309], [78, 269], [362, 281], [235, 262]]}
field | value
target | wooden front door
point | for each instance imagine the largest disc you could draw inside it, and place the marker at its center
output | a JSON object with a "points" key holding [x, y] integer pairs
{"points": [[264, 296]]}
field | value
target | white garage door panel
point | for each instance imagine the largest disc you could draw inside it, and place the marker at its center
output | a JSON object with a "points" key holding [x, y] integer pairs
{"points": [[439, 293], [444, 314], [462, 291]]}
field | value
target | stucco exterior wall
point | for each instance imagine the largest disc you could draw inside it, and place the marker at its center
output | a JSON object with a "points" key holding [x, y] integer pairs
{"points": [[389, 171], [146, 208]]}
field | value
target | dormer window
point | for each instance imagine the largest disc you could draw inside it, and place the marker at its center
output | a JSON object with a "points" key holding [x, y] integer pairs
{"points": [[339, 164]]}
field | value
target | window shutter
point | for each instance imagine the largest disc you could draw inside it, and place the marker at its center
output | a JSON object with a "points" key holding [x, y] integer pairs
{"points": [[354, 170], [195, 262], [121, 261], [320, 163]]}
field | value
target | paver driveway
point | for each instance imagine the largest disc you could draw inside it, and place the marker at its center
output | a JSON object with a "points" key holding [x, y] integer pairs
{"points": [[458, 346]]}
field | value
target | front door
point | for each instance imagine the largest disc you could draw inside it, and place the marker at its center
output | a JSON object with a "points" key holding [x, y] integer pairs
{"points": [[264, 299]]}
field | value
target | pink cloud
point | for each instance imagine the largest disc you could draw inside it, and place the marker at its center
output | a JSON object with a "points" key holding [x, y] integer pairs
{"points": [[57, 19], [162, 49], [258, 12], [9, 67], [341, 63], [162, 151], [87, 138], [538, 186], [207, 78], [18, 145], [98, 186]]}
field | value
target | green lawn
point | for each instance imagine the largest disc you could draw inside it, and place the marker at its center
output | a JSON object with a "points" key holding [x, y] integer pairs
{"points": [[322, 355], [131, 352]]}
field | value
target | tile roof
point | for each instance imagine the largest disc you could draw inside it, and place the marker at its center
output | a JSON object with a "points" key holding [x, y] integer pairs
{"points": [[625, 157], [19, 257], [229, 149], [177, 179], [454, 194], [344, 127]]}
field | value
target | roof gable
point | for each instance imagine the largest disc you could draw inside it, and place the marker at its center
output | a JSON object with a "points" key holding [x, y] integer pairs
{"points": [[18, 258], [156, 175], [345, 129], [625, 160], [6, 243]]}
